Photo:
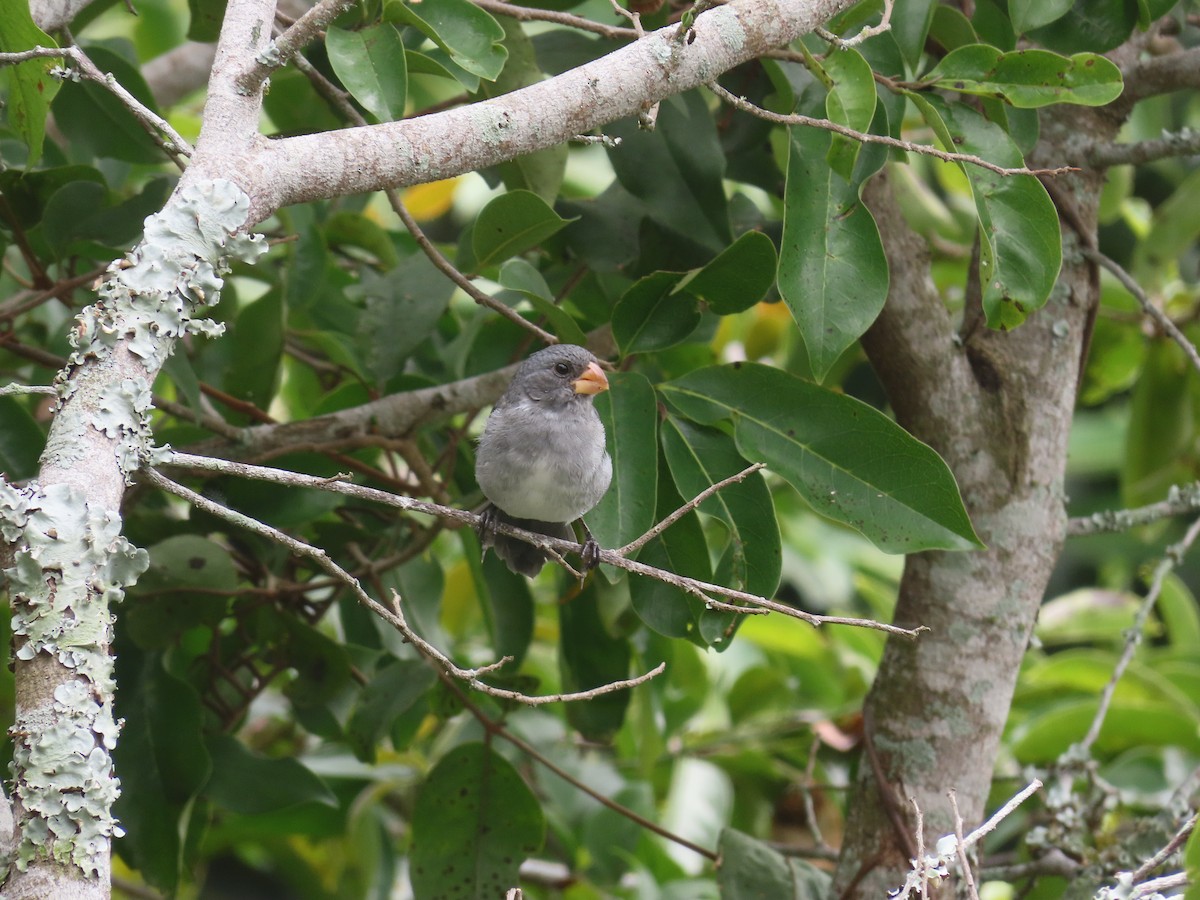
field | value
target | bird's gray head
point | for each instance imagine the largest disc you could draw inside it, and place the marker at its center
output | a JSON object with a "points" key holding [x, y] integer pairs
{"points": [[558, 375]]}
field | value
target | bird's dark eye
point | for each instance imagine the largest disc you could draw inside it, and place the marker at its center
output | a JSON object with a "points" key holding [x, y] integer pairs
{"points": [[561, 368]]}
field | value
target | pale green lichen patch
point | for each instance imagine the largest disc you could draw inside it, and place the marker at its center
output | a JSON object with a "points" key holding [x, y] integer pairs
{"points": [[123, 413], [154, 292], [71, 563]]}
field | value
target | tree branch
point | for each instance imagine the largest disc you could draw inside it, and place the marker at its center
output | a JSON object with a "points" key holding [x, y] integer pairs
{"points": [[394, 154], [867, 138], [1181, 499], [1181, 143], [338, 486]]}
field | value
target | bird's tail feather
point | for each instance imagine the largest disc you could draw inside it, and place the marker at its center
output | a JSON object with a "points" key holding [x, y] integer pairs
{"points": [[520, 557]]}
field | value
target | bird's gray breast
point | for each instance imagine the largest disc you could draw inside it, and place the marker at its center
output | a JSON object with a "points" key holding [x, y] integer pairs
{"points": [[545, 463]]}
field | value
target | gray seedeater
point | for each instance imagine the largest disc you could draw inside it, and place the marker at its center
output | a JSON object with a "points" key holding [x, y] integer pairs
{"points": [[541, 460]]}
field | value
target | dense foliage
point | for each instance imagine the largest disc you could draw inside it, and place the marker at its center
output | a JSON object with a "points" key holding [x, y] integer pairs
{"points": [[282, 740]]}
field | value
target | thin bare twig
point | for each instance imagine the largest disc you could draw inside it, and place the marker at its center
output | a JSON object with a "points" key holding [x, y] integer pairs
{"points": [[291, 41], [392, 616], [472, 676], [810, 810], [1181, 499], [343, 105], [919, 862], [885, 24], [1172, 846], [1161, 319], [1181, 143], [637, 544], [451, 271], [867, 138], [465, 517], [158, 127], [947, 849], [963, 861], [529, 14], [1133, 637]]}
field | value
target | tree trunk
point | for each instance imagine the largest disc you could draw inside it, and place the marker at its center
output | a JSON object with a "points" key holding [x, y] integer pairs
{"points": [[998, 407]]}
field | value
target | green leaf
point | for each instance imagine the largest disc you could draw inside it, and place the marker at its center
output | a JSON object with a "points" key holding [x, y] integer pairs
{"points": [[30, 85], [21, 440], [99, 123], [181, 589], [370, 63], [833, 274], [257, 335], [677, 170], [391, 691], [519, 275], [629, 411], [1020, 249], [1094, 25], [414, 295], [350, 229], [1179, 612], [509, 606], [590, 657], [162, 762], [699, 457], [738, 278], [651, 315], [850, 102], [512, 223], [1173, 231], [205, 20], [469, 35], [751, 870], [1029, 79], [681, 549], [245, 783], [474, 822], [1162, 432], [80, 217], [911, 20], [1043, 738], [849, 461], [1030, 14]]}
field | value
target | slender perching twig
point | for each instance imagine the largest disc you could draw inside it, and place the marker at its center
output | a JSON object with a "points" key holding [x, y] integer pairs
{"points": [[471, 676], [466, 517], [867, 138], [1161, 319], [961, 846], [1133, 637], [392, 616], [885, 24], [172, 142], [637, 544], [810, 809], [1177, 840], [1181, 499]]}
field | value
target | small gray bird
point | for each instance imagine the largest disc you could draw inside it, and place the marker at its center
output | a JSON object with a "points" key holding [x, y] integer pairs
{"points": [[541, 460]]}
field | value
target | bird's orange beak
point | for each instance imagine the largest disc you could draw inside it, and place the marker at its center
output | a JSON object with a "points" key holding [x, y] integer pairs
{"points": [[592, 381]]}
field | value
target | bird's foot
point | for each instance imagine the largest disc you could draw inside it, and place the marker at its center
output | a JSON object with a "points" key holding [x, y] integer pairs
{"points": [[488, 519], [589, 554]]}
